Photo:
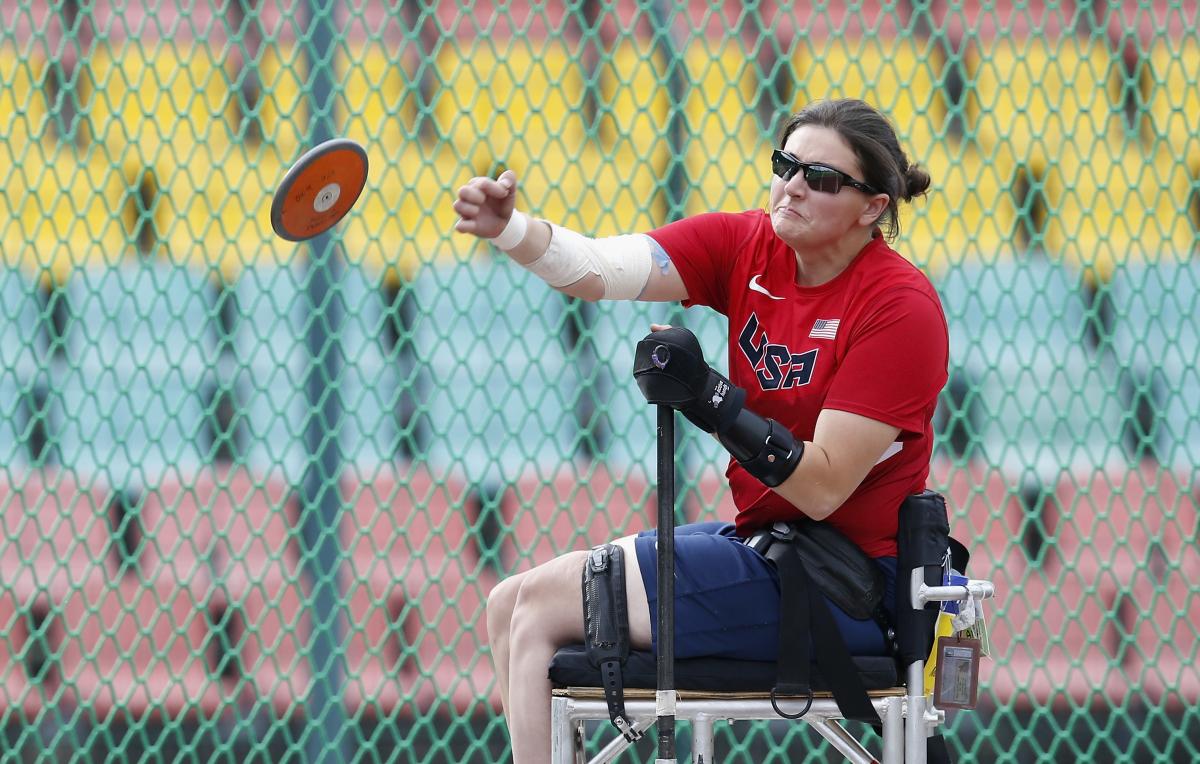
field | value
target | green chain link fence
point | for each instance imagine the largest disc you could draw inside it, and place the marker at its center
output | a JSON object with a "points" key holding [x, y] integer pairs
{"points": [[254, 494]]}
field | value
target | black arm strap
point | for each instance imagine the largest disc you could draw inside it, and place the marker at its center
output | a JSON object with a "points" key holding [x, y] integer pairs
{"points": [[805, 624]]}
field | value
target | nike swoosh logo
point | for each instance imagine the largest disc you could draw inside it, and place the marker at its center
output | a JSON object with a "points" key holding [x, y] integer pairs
{"points": [[757, 287]]}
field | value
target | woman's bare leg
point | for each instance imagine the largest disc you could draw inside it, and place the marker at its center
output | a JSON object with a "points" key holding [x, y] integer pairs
{"points": [[548, 614]]}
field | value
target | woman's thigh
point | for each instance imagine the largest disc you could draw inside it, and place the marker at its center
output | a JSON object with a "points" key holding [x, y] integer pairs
{"points": [[727, 597]]}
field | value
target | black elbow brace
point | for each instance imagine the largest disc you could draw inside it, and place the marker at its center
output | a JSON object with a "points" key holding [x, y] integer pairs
{"points": [[765, 448]]}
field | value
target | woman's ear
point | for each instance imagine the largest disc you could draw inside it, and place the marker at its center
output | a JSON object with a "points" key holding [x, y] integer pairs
{"points": [[874, 209]]}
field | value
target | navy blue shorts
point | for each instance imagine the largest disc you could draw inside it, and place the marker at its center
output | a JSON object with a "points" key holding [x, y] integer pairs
{"points": [[727, 597]]}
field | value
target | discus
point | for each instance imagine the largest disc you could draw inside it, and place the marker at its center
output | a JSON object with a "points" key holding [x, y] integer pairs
{"points": [[319, 190]]}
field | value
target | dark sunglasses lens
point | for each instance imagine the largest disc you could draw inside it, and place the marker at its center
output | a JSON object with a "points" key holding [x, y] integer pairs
{"points": [[783, 167], [823, 179]]}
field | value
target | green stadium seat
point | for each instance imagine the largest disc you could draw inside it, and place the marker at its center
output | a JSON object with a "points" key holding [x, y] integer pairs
{"points": [[269, 364], [1156, 336], [504, 380], [142, 351], [1031, 97], [1016, 330], [631, 421]]}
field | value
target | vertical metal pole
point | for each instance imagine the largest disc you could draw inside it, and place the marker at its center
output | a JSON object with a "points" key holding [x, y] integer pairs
{"points": [[665, 695], [676, 187], [321, 502]]}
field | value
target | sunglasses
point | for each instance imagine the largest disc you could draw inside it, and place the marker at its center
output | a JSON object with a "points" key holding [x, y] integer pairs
{"points": [[819, 177]]}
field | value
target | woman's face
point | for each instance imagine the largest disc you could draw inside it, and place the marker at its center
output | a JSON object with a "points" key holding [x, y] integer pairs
{"points": [[808, 219]]}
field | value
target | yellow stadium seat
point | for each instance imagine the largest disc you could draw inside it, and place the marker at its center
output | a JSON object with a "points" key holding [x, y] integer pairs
{"points": [[376, 104], [728, 152], [156, 101], [1033, 95], [516, 106], [899, 77], [23, 106], [634, 109], [968, 215], [404, 218], [1174, 103], [1105, 211], [65, 210], [217, 209]]}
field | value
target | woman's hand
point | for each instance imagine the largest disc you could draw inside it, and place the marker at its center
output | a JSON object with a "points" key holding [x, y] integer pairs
{"points": [[484, 205]]}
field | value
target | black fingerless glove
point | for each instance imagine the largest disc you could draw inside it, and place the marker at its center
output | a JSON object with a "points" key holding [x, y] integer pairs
{"points": [[670, 370]]}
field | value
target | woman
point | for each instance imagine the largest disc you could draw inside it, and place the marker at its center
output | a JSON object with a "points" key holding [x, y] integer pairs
{"points": [[839, 344]]}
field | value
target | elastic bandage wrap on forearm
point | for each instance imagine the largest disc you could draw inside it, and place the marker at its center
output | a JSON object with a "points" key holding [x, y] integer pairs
{"points": [[622, 262]]}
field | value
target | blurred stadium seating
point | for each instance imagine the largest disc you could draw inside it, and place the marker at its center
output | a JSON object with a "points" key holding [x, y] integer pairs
{"points": [[1046, 203]]}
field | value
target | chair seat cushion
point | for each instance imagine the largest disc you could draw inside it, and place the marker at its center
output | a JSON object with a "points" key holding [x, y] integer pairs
{"points": [[570, 668]]}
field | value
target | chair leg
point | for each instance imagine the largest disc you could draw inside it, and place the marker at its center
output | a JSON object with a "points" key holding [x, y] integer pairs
{"points": [[562, 737], [702, 740], [843, 741], [893, 731], [914, 730]]}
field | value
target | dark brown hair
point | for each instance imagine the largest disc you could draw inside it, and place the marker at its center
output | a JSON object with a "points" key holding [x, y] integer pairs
{"points": [[873, 140]]}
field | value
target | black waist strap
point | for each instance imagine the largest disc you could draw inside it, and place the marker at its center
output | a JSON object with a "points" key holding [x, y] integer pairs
{"points": [[805, 624]]}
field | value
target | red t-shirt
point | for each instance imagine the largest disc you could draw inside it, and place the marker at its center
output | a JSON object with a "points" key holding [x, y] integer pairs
{"points": [[872, 341]]}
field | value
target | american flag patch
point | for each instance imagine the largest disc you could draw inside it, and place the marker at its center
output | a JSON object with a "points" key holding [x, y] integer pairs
{"points": [[825, 328]]}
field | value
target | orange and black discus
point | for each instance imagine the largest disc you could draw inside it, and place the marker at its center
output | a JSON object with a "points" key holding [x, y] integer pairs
{"points": [[319, 189]]}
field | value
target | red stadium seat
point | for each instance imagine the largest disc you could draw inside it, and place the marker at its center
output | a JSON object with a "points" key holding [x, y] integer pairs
{"points": [[1113, 524], [137, 649], [18, 696], [377, 674], [985, 515], [445, 614], [56, 532], [575, 508], [1054, 642], [274, 613], [1158, 618], [230, 520], [405, 517]]}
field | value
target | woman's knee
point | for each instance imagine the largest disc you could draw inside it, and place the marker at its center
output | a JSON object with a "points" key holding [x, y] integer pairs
{"points": [[501, 602], [550, 599]]}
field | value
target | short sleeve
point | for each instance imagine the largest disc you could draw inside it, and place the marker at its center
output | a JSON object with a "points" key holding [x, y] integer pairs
{"points": [[896, 364], [704, 248]]}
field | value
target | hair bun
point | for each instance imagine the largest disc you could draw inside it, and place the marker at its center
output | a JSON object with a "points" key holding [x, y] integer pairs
{"points": [[916, 182]]}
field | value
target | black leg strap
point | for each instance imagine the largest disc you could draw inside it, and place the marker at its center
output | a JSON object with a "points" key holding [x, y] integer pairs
{"points": [[606, 629], [804, 621]]}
